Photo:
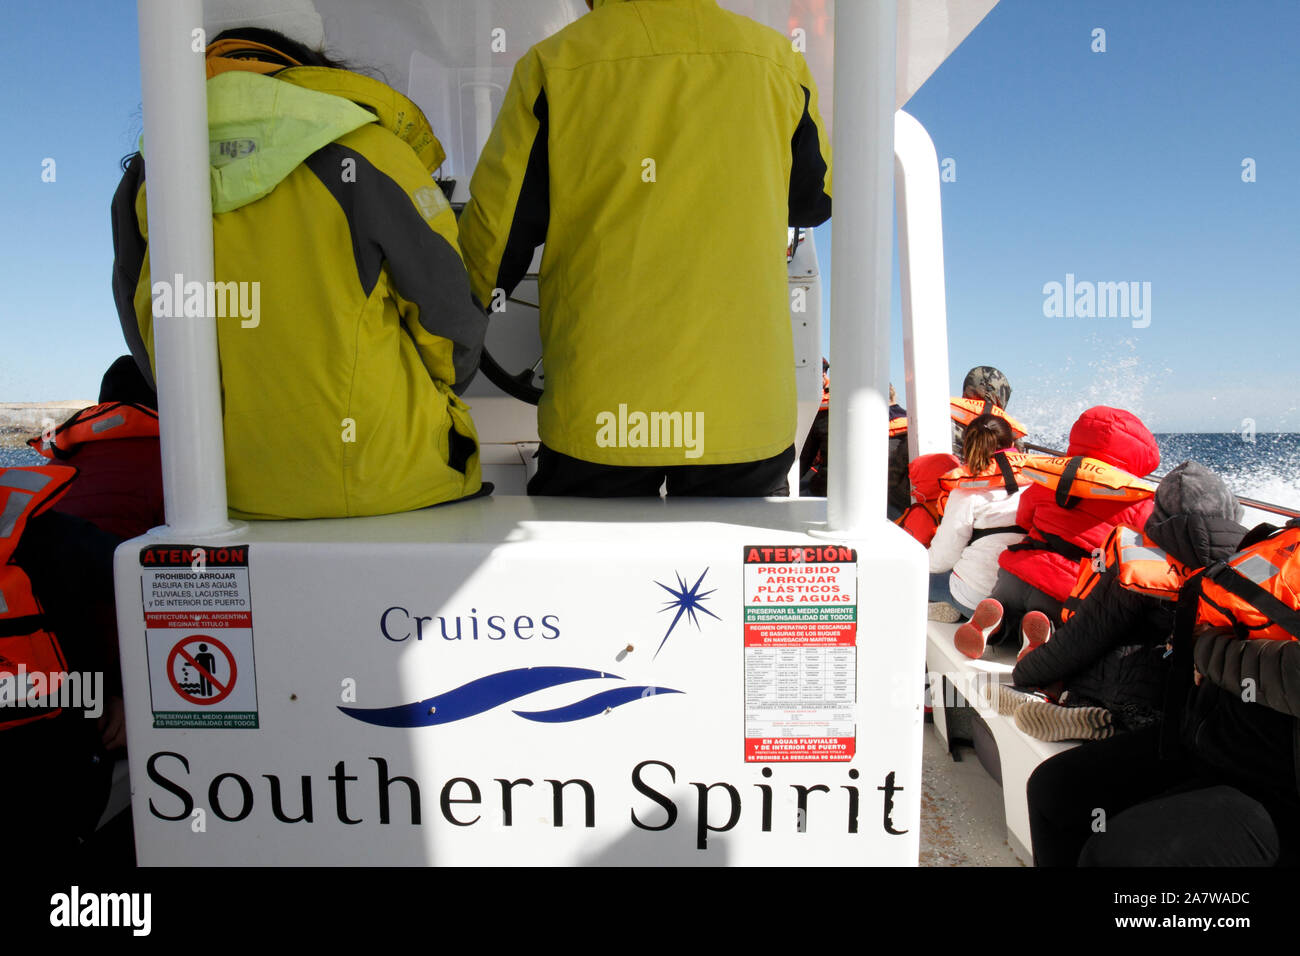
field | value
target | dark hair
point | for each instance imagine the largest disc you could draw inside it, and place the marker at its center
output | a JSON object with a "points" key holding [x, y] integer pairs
{"points": [[290, 48], [985, 435], [124, 382]]}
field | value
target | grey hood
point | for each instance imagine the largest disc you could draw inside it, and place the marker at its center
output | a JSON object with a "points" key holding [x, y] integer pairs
{"points": [[1196, 517]]}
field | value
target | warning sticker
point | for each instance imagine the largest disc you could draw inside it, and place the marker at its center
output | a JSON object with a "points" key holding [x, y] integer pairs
{"points": [[198, 619], [801, 612]]}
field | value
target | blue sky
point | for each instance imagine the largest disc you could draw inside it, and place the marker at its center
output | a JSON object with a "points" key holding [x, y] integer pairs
{"points": [[1124, 165], [1115, 166]]}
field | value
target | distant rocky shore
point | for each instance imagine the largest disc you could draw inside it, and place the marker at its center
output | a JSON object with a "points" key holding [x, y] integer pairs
{"points": [[19, 421]]}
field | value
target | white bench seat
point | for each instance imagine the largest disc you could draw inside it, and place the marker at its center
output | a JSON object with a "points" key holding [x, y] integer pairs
{"points": [[975, 681]]}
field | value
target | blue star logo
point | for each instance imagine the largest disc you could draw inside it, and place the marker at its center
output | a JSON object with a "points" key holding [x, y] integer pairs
{"points": [[687, 601]]}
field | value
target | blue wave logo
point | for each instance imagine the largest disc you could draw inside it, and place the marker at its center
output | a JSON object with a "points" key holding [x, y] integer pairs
{"points": [[486, 693]]}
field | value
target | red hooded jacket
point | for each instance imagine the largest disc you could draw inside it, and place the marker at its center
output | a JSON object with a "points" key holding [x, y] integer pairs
{"points": [[1108, 434]]}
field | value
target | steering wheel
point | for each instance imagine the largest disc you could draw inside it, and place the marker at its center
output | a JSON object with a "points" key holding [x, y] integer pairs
{"points": [[525, 385]]}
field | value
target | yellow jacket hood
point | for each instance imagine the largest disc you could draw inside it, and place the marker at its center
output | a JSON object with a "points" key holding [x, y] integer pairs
{"points": [[260, 128], [393, 111]]}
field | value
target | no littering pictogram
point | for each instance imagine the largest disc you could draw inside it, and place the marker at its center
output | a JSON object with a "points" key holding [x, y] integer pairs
{"points": [[199, 675]]}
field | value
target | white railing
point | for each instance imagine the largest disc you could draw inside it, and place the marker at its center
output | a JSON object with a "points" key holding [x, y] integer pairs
{"points": [[925, 307], [865, 38], [174, 96]]}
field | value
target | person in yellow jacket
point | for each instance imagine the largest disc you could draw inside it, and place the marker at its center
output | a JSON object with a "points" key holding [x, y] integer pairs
{"points": [[348, 327], [660, 149]]}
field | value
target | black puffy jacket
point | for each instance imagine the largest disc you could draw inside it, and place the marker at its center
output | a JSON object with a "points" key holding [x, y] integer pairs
{"points": [[1241, 723], [1112, 652]]}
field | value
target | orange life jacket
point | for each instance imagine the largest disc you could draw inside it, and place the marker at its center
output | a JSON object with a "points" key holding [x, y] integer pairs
{"points": [[966, 410], [1257, 590], [921, 520], [108, 420], [926, 475], [933, 479], [1002, 472], [1138, 563], [1076, 478], [26, 647]]}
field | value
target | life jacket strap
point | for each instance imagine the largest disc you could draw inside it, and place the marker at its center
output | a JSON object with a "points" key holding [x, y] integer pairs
{"points": [[1235, 583], [1008, 473], [1055, 544], [1179, 684], [1063, 497], [15, 626], [1003, 529]]}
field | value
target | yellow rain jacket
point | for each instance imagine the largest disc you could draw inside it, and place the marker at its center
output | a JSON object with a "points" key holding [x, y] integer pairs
{"points": [[659, 148], [349, 319]]}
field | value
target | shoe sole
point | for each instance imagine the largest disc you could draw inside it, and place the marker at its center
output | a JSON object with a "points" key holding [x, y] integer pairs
{"points": [[969, 638], [1052, 722], [1035, 629], [1011, 700]]}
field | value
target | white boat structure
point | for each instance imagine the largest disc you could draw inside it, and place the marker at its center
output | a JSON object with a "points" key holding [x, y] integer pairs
{"points": [[516, 680]]}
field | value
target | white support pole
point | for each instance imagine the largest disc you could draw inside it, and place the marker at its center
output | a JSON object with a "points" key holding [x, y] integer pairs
{"points": [[173, 85], [925, 307], [865, 38]]}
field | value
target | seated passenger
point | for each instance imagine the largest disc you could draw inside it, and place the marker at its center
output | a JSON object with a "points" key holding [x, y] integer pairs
{"points": [[1110, 655], [1213, 784], [114, 447], [897, 443], [979, 520], [1072, 507], [921, 518], [52, 623], [814, 455], [118, 489], [348, 325], [985, 389]]}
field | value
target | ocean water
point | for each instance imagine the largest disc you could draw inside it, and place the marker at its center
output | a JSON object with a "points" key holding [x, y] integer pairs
{"points": [[20, 456], [1265, 466]]}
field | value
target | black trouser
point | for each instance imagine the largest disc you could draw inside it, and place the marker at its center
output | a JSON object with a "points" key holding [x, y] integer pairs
{"points": [[816, 453], [1018, 598], [54, 787], [1116, 803], [558, 474]]}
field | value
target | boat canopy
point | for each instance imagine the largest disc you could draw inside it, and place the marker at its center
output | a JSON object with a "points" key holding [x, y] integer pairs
{"points": [[441, 52], [454, 57]]}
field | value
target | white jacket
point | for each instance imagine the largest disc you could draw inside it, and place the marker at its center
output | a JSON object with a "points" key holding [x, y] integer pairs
{"points": [[974, 565]]}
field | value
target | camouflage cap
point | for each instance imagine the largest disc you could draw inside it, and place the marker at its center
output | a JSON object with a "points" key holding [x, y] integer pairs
{"points": [[984, 381]]}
